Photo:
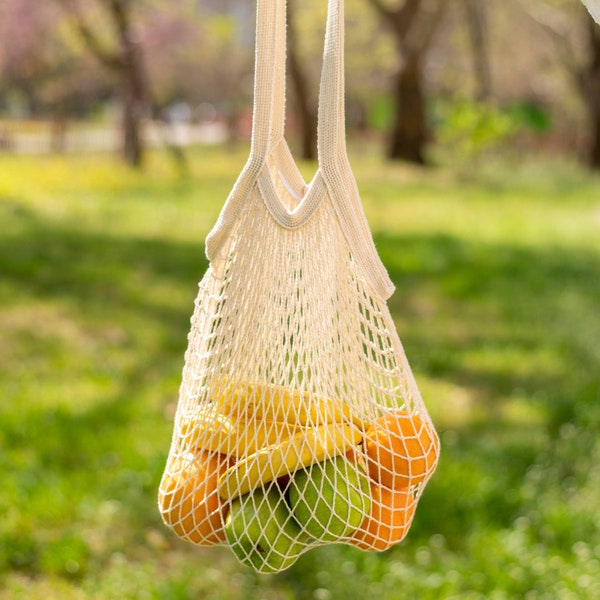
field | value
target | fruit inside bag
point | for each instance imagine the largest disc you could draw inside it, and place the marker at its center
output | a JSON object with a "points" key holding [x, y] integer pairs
{"points": [[273, 471]]}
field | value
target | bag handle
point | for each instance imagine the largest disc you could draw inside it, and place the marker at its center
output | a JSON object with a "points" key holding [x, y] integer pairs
{"points": [[268, 116], [268, 125], [268, 122], [332, 122], [333, 156], [269, 78], [268, 119]]}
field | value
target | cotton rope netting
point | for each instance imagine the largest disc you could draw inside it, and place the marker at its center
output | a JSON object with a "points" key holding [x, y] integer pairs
{"points": [[299, 422]]}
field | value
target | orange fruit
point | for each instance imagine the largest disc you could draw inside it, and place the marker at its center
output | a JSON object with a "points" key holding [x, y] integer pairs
{"points": [[389, 521], [401, 450], [189, 502]]}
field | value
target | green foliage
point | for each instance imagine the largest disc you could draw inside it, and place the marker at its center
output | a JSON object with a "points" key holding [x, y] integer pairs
{"points": [[531, 116], [381, 114], [469, 128], [496, 304]]}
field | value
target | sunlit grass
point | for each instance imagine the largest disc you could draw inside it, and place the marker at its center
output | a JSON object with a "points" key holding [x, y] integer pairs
{"points": [[498, 288]]}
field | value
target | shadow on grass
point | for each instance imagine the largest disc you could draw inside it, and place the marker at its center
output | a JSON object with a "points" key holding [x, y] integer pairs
{"points": [[52, 260]]}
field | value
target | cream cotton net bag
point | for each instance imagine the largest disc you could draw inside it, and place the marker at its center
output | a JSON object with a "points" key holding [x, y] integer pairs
{"points": [[299, 422]]}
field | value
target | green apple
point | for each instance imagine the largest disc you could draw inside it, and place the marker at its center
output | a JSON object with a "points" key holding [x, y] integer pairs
{"points": [[262, 533], [330, 499]]}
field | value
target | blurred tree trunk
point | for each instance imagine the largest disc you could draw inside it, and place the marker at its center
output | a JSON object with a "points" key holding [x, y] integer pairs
{"points": [[477, 28], [413, 24], [307, 112], [133, 92], [585, 74], [409, 131], [127, 64], [591, 90]]}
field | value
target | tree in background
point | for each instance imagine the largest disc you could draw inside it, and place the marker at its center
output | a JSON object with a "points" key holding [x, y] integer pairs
{"points": [[123, 57], [305, 106], [581, 61], [227, 40], [25, 33], [151, 54], [591, 90], [476, 22], [197, 55], [413, 24], [40, 72]]}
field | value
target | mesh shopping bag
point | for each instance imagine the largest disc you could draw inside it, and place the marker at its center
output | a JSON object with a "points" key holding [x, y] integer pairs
{"points": [[299, 422]]}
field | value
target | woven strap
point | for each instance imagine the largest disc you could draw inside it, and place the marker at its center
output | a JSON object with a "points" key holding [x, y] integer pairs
{"points": [[334, 174], [268, 122], [269, 77], [333, 157]]}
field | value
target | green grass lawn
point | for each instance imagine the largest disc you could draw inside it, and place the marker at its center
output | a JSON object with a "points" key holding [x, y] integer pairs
{"points": [[498, 307]]}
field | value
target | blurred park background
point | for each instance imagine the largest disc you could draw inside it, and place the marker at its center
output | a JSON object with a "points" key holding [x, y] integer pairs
{"points": [[474, 134]]}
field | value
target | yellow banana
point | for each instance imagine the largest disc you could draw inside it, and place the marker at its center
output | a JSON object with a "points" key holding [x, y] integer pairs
{"points": [[212, 431], [278, 403], [303, 449]]}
